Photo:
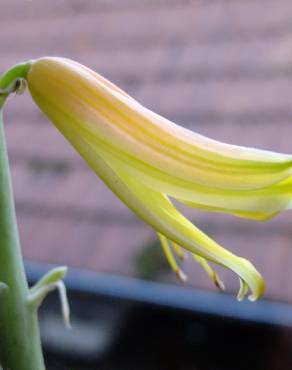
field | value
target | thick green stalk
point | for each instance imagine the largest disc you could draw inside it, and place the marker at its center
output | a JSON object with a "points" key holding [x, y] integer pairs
{"points": [[20, 346]]}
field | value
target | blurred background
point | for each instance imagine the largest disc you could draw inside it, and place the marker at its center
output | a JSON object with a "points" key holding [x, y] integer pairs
{"points": [[222, 68]]}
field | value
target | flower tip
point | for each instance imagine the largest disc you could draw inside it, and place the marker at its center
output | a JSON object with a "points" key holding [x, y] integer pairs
{"points": [[219, 283], [181, 275], [257, 288], [252, 297], [256, 295], [243, 289], [259, 291]]}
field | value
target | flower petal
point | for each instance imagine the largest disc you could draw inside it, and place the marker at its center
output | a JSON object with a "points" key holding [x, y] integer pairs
{"points": [[110, 115], [156, 210], [257, 204]]}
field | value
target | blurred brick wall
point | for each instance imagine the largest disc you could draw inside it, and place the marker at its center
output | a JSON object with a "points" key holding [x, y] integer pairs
{"points": [[222, 68]]}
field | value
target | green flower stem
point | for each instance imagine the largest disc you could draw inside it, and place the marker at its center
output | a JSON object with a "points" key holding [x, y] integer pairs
{"points": [[20, 346], [17, 72]]}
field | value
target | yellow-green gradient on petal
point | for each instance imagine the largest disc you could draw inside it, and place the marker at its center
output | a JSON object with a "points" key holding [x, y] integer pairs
{"points": [[114, 117], [146, 159]]}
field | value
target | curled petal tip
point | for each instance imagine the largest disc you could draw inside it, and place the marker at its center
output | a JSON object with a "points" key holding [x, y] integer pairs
{"points": [[243, 289], [240, 298], [253, 297], [254, 282]]}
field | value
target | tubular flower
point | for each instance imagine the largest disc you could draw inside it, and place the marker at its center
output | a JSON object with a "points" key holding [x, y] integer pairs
{"points": [[145, 160]]}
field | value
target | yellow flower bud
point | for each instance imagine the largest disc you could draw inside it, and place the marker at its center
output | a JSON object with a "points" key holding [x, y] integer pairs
{"points": [[145, 159]]}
